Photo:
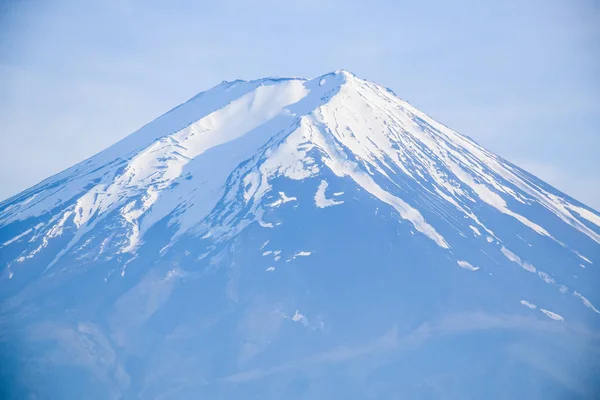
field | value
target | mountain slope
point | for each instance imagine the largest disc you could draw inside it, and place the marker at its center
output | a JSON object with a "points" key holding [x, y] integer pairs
{"points": [[291, 238]]}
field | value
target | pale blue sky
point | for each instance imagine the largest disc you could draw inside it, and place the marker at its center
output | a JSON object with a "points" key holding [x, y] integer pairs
{"points": [[520, 77]]}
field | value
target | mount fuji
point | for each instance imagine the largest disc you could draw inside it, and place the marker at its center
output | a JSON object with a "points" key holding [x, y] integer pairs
{"points": [[298, 239]]}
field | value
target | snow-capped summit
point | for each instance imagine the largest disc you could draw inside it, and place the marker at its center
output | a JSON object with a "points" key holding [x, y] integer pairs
{"points": [[292, 238]]}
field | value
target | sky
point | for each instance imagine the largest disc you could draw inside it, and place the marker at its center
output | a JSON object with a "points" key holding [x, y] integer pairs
{"points": [[521, 78]]}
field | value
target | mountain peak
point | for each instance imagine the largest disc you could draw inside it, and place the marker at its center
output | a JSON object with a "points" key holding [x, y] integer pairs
{"points": [[341, 76], [345, 73]]}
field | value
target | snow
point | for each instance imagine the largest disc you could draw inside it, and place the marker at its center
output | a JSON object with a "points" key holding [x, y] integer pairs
{"points": [[563, 289], [17, 237], [163, 167], [586, 214], [275, 253], [342, 166], [300, 254], [475, 230], [251, 182], [175, 121], [106, 241], [320, 200], [284, 199], [528, 304], [300, 318], [174, 273], [153, 171], [552, 315], [516, 259], [583, 258], [466, 265], [265, 224], [586, 302], [132, 214], [492, 198], [546, 277]]}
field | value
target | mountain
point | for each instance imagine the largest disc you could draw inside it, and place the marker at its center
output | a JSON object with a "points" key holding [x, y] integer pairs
{"points": [[298, 239]]}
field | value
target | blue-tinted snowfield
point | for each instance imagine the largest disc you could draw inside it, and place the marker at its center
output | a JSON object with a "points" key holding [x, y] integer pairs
{"points": [[298, 239]]}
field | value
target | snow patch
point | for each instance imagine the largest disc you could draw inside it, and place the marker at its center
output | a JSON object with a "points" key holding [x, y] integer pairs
{"points": [[172, 274], [17, 237], [546, 277], [563, 289], [528, 304], [584, 258], [466, 265], [475, 230], [585, 214], [320, 200], [265, 224], [300, 318], [552, 315], [284, 199], [586, 302], [516, 259], [300, 254]]}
